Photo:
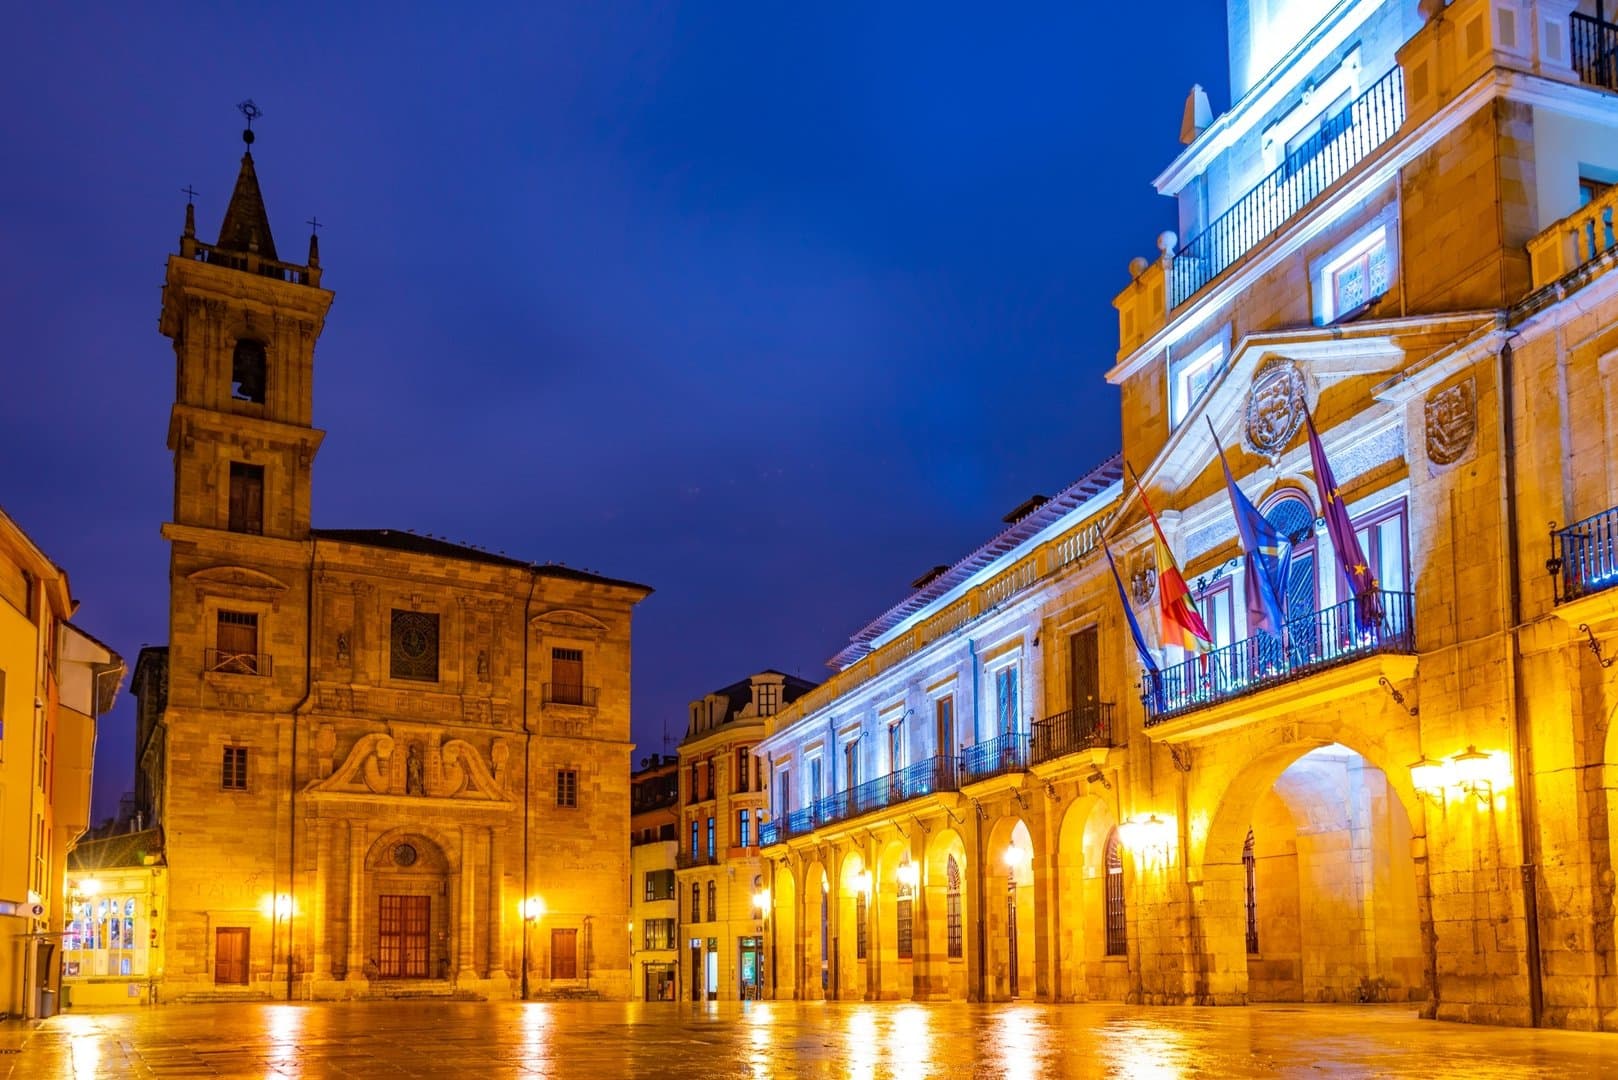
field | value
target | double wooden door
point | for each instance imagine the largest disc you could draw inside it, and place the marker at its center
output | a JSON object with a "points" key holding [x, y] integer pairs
{"points": [[402, 931]]}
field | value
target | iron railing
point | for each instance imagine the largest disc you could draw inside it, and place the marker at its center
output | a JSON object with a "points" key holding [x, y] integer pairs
{"points": [[570, 694], [1002, 754], [1343, 141], [1068, 732], [685, 860], [1328, 638], [232, 662], [1584, 556], [1595, 51], [923, 778]]}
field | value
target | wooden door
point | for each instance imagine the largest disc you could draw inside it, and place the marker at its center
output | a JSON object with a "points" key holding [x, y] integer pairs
{"points": [[230, 956], [564, 954], [402, 924]]}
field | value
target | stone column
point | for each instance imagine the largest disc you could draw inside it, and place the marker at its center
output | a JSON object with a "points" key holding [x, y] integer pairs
{"points": [[356, 902], [497, 907], [466, 930], [321, 917], [873, 930], [922, 979]]}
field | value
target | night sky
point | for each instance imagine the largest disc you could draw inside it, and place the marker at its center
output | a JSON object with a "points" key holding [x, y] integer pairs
{"points": [[770, 307]]}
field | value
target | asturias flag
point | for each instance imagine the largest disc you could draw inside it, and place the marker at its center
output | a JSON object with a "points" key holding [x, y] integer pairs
{"points": [[1268, 560], [1182, 625], [1355, 566]]}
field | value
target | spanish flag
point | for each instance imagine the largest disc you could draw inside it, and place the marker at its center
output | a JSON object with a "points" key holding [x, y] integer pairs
{"points": [[1182, 625]]}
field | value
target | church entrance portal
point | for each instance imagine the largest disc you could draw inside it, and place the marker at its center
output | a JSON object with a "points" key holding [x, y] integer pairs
{"points": [[402, 937]]}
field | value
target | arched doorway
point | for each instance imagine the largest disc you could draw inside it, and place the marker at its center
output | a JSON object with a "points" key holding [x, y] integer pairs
{"points": [[944, 879], [816, 959], [1010, 966], [1320, 886], [1086, 968], [851, 944], [407, 889], [896, 881]]}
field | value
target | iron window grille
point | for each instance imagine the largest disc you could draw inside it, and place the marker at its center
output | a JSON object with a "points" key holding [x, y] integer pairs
{"points": [[413, 646], [1117, 927]]}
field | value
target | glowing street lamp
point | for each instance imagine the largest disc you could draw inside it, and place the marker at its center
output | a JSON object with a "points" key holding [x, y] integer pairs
{"points": [[532, 910], [1471, 770], [1429, 778]]}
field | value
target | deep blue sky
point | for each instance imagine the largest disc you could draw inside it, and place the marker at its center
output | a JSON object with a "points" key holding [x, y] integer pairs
{"points": [[770, 307]]}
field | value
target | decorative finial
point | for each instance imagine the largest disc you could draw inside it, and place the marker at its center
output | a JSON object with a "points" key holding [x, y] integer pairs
{"points": [[314, 240], [252, 112], [190, 210]]}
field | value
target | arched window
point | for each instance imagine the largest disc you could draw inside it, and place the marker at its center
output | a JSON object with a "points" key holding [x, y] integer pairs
{"points": [[696, 902], [713, 902], [1117, 932], [861, 935], [1293, 517], [952, 907], [904, 915], [1250, 867], [247, 371]]}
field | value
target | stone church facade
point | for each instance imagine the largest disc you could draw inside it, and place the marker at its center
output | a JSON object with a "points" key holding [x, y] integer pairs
{"points": [[384, 763]]}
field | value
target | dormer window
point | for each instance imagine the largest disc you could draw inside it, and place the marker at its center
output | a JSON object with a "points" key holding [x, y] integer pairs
{"points": [[247, 370]]}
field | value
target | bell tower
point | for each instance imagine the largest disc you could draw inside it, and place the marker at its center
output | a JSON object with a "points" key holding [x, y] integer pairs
{"points": [[244, 326]]}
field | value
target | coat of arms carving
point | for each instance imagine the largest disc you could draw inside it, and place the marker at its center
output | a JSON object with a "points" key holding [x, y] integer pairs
{"points": [[1275, 405], [1452, 420], [1143, 585]]}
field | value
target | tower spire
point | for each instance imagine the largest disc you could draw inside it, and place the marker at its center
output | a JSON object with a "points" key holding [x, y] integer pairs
{"points": [[246, 226]]}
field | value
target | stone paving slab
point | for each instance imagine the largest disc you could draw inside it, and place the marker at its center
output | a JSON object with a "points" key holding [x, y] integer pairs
{"points": [[768, 1039]]}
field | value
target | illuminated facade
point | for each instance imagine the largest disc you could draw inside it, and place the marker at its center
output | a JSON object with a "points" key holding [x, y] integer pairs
{"points": [[384, 763], [654, 910], [112, 940], [55, 680], [1402, 227], [720, 881]]}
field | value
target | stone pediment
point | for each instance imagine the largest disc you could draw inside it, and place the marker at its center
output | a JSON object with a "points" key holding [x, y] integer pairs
{"points": [[411, 764], [237, 581], [567, 620]]}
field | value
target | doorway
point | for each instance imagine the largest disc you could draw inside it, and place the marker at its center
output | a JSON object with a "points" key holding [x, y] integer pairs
{"points": [[402, 937], [230, 956]]}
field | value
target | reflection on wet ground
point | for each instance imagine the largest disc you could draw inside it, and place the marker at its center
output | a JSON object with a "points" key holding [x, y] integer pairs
{"points": [[419, 1038]]}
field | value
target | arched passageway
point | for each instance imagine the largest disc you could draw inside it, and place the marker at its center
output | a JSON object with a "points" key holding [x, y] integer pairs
{"points": [[1009, 912]]}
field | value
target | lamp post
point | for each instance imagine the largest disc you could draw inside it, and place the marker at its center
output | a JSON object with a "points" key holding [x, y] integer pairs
{"points": [[533, 909]]}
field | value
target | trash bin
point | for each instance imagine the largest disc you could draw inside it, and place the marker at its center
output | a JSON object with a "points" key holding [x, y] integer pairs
{"points": [[47, 1003]]}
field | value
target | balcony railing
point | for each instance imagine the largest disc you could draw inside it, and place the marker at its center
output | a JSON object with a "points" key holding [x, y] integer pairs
{"points": [[231, 662], [1002, 754], [1595, 51], [1580, 238], [685, 860], [1084, 728], [1342, 142], [570, 694], [1336, 635], [769, 833], [1584, 556]]}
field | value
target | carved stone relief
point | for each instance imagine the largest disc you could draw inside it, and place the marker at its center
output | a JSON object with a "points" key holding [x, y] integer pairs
{"points": [[1275, 406], [1452, 421]]}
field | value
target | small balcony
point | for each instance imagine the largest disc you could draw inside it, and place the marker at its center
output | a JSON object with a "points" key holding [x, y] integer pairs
{"points": [[231, 662], [1574, 242], [1335, 637], [1595, 51], [570, 694], [1584, 557], [1342, 142], [998, 756], [685, 860], [1089, 727]]}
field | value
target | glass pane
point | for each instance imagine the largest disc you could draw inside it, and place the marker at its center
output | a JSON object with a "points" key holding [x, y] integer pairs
{"points": [[1390, 535]]}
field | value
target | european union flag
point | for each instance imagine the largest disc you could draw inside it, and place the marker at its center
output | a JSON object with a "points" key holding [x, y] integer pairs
{"points": [[1267, 559], [1344, 540]]}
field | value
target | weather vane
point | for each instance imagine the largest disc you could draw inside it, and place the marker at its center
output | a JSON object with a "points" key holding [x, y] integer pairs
{"points": [[252, 112]]}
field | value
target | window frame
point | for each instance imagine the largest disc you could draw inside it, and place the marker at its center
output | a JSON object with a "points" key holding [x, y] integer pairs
{"points": [[233, 772], [1209, 359], [1115, 914], [567, 789], [404, 668], [245, 477]]}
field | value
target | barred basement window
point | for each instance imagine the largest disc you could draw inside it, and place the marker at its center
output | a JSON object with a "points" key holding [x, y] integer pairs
{"points": [[860, 936], [952, 907], [414, 653], [567, 787], [1250, 867], [1117, 929], [233, 773]]}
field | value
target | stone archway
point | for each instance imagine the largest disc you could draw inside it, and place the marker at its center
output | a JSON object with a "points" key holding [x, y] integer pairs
{"points": [[815, 960], [780, 957], [894, 923], [1009, 915], [1084, 969], [411, 928], [944, 879], [851, 944], [1323, 905]]}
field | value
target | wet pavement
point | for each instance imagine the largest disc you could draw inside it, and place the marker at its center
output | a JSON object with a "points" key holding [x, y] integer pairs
{"points": [[597, 1040]]}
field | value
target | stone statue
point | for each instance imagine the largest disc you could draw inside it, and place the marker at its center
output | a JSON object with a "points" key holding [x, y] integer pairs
{"points": [[413, 771]]}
